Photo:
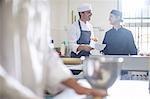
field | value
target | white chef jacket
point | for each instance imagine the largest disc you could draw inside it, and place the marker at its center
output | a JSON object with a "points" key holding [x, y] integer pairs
{"points": [[24, 48], [9, 85], [74, 33]]}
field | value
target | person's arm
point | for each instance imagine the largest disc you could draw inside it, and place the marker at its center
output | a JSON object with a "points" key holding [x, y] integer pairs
{"points": [[132, 46], [58, 73], [105, 40], [84, 47], [72, 83], [93, 34], [73, 36], [88, 48]]}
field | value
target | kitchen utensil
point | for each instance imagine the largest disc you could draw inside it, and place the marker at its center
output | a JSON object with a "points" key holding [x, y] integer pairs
{"points": [[101, 72]]}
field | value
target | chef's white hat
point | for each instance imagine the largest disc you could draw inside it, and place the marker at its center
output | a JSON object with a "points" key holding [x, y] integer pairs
{"points": [[84, 7]]}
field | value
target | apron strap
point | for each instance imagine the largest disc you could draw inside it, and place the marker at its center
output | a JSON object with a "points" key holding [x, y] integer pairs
{"points": [[80, 26]]}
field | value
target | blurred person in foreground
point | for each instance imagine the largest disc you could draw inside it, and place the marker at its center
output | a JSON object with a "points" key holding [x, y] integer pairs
{"points": [[28, 60]]}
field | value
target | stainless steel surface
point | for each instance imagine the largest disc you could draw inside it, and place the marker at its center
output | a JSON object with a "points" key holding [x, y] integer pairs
{"points": [[102, 72], [149, 82], [134, 63], [137, 63]]}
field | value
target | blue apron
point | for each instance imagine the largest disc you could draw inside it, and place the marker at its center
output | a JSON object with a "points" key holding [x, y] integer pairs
{"points": [[84, 39]]}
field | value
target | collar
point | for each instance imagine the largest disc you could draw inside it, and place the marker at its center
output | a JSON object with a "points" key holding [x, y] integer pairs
{"points": [[83, 22], [118, 28]]}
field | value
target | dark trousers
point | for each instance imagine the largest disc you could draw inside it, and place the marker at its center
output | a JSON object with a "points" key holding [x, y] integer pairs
{"points": [[81, 53]]}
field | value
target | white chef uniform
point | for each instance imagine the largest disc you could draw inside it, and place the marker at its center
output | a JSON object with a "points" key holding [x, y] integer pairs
{"points": [[75, 32], [24, 48], [9, 86]]}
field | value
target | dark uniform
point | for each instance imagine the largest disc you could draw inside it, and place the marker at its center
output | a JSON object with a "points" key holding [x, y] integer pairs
{"points": [[119, 42]]}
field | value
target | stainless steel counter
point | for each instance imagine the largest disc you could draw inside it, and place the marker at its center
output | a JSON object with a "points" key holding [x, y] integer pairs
{"points": [[121, 89], [137, 65]]}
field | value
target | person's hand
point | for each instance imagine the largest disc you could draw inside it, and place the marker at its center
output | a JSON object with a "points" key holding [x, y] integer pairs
{"points": [[93, 92], [84, 47], [94, 39], [72, 83], [99, 93], [144, 54]]}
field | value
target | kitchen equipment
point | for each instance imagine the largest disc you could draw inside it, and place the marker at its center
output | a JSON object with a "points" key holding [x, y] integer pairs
{"points": [[75, 65], [71, 61], [97, 48], [149, 73], [101, 72], [149, 82], [136, 65]]}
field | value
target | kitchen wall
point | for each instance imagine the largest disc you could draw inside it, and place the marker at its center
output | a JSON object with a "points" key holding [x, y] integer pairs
{"points": [[59, 20], [63, 11]]}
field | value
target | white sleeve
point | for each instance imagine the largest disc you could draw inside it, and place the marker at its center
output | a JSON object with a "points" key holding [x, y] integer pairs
{"points": [[92, 31], [11, 88], [57, 72], [73, 37]]}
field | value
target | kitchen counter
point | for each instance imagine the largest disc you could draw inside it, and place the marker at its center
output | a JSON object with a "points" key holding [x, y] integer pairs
{"points": [[122, 89]]}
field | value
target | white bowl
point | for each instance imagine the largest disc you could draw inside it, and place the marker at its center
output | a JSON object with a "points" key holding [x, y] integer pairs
{"points": [[98, 48]]}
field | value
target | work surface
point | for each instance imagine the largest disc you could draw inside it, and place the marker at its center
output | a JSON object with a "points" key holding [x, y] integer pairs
{"points": [[120, 90], [129, 90]]}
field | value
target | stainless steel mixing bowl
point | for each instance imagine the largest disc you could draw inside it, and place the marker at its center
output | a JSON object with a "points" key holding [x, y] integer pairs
{"points": [[101, 72]]}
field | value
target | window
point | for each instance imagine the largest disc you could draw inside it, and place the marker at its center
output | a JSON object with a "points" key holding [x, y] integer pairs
{"points": [[136, 14]]}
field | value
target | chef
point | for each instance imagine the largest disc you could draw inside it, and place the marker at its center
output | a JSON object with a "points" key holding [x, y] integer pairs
{"points": [[81, 32], [26, 57], [118, 40]]}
